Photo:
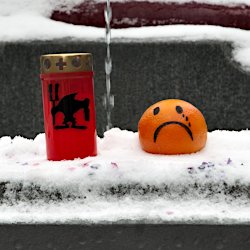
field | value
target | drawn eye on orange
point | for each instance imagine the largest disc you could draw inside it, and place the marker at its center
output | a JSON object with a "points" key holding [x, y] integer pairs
{"points": [[172, 127]]}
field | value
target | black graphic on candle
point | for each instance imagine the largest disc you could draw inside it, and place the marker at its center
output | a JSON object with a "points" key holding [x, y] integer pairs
{"points": [[68, 105]]}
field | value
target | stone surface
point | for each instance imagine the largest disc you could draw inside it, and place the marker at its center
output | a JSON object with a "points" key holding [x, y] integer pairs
{"points": [[12, 192], [162, 237], [132, 13], [202, 73]]}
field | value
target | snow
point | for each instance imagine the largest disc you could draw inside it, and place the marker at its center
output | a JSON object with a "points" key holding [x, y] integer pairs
{"points": [[124, 183]]}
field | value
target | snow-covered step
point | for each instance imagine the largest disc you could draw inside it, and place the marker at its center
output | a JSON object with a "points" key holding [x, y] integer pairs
{"points": [[124, 183]]}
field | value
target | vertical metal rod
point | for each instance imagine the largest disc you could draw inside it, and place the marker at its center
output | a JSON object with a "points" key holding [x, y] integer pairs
{"points": [[108, 101]]}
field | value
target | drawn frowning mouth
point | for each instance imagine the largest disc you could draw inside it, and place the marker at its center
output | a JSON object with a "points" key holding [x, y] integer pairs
{"points": [[157, 131]]}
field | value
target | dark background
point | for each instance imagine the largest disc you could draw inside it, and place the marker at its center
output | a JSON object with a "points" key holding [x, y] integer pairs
{"points": [[202, 73]]}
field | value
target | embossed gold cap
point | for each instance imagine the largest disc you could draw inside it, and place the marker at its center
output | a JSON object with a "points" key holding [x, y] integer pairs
{"points": [[62, 63]]}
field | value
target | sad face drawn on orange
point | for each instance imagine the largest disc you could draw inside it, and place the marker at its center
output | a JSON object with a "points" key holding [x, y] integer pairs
{"points": [[172, 127]]}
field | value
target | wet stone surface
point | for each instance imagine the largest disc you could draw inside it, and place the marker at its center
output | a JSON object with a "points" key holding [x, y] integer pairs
{"points": [[12, 193], [141, 236]]}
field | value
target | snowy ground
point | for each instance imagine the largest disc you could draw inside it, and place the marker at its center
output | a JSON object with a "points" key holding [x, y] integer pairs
{"points": [[123, 183]]}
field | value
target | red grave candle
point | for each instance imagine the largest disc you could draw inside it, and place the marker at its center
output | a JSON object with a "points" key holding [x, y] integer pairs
{"points": [[68, 105]]}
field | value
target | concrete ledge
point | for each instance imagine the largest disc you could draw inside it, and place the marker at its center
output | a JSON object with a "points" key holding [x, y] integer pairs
{"points": [[202, 73], [162, 237]]}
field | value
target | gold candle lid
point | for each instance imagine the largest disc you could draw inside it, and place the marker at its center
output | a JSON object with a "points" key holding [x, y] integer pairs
{"points": [[62, 63]]}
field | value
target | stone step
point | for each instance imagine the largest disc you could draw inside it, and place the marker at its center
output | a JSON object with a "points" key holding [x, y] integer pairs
{"points": [[202, 73], [124, 236]]}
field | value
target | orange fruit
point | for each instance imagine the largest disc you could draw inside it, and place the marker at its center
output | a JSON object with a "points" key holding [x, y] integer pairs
{"points": [[172, 127]]}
